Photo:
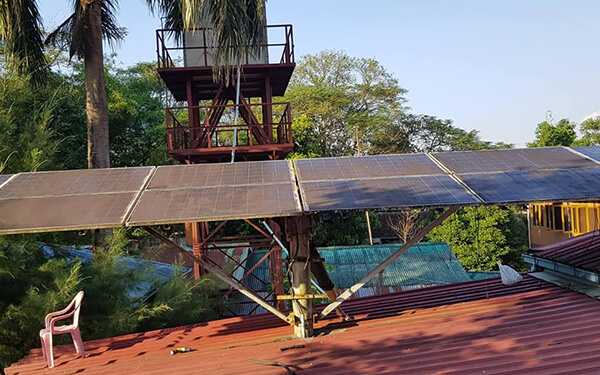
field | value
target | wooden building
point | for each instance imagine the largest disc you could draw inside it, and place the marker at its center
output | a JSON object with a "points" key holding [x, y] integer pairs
{"points": [[554, 222]]}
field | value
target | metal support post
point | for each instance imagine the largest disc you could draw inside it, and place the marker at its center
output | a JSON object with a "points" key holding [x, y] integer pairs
{"points": [[219, 274], [198, 235], [418, 237], [299, 231]]}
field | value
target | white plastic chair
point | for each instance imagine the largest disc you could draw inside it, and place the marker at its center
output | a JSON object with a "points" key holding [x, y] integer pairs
{"points": [[46, 334]]}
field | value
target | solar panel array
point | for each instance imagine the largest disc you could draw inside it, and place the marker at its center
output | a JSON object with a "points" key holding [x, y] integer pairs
{"points": [[376, 182], [448, 178], [204, 192], [86, 199]]}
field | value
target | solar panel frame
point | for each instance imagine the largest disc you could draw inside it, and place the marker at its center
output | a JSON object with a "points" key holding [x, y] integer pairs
{"points": [[488, 161], [516, 187], [4, 178], [592, 152], [384, 194]]}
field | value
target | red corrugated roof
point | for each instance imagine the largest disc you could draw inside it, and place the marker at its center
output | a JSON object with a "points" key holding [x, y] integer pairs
{"points": [[470, 328], [580, 252]]}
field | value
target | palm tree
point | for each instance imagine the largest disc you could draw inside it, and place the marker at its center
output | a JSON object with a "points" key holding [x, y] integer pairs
{"points": [[237, 25]]}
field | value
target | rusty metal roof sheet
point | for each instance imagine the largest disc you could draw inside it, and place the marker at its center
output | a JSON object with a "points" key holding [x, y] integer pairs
{"points": [[479, 327], [582, 252]]}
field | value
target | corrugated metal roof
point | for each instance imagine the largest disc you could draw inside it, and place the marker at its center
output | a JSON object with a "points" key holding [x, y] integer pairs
{"points": [[581, 252], [479, 327]]}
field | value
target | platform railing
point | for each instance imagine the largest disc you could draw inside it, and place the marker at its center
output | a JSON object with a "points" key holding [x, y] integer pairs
{"points": [[172, 55], [212, 126]]}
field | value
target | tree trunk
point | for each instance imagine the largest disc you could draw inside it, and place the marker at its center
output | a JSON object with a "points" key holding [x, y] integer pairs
{"points": [[95, 91]]}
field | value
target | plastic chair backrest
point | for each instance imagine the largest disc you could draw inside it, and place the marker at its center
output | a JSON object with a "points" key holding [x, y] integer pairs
{"points": [[77, 308]]}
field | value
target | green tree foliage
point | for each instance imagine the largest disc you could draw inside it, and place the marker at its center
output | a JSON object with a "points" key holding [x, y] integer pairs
{"points": [[57, 124], [137, 116], [343, 230], [560, 134], [338, 101], [349, 106], [590, 132], [423, 133], [27, 119], [482, 236]]}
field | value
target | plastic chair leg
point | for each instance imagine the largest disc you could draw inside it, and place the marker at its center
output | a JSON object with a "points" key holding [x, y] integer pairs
{"points": [[44, 349], [78, 342], [50, 352], [47, 350]]}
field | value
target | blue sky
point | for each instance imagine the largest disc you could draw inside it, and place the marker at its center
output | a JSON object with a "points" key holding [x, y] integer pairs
{"points": [[492, 66]]}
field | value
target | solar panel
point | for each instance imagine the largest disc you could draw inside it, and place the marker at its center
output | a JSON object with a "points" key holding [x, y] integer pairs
{"points": [[535, 186], [221, 174], [592, 152], [68, 200], [383, 193], [75, 182], [512, 160], [215, 203], [365, 167], [70, 212], [208, 192]]}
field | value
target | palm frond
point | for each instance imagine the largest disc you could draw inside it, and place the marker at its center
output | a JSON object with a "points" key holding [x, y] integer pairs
{"points": [[73, 31], [170, 10], [21, 31], [238, 27], [238, 31]]}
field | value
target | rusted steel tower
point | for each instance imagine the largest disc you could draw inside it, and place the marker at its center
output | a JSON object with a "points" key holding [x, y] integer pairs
{"points": [[203, 130]]}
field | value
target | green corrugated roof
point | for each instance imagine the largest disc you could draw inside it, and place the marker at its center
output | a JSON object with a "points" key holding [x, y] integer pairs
{"points": [[422, 264]]}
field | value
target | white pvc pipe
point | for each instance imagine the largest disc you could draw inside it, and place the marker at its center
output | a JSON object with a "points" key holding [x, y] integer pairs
{"points": [[237, 111]]}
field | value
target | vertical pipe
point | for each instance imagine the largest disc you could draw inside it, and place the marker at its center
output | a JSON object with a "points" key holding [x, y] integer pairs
{"points": [[529, 224], [268, 109], [190, 103], [237, 112], [369, 228]]}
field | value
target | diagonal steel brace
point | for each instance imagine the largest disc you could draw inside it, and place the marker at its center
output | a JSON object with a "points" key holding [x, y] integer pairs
{"points": [[418, 237], [219, 274]]}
